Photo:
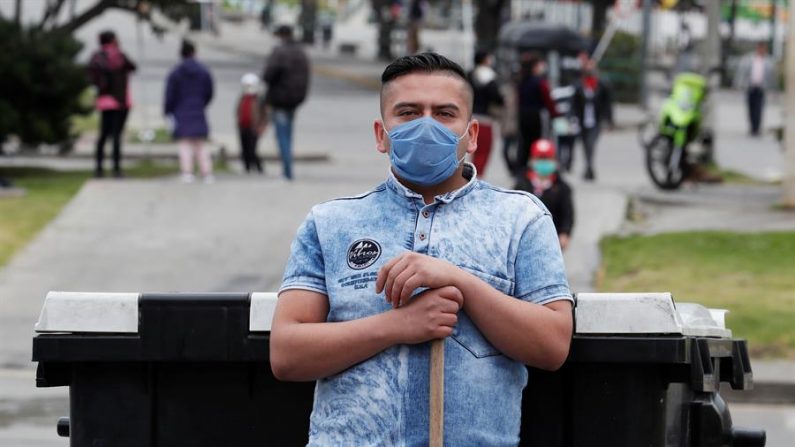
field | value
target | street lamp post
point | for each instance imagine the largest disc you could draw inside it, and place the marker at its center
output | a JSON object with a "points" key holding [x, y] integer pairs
{"points": [[788, 199]]}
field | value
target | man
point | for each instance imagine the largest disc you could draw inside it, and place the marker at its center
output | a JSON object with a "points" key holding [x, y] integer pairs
{"points": [[431, 253], [287, 76], [594, 108], [756, 74], [545, 182], [534, 98], [487, 98]]}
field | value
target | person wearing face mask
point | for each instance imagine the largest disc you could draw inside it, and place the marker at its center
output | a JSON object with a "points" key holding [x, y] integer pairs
{"points": [[431, 253], [594, 108], [545, 182]]}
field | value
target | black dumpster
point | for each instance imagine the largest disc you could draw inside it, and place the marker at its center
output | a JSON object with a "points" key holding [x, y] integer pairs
{"points": [[168, 370], [192, 369]]}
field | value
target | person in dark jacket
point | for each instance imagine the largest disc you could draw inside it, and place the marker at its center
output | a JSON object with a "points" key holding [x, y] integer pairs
{"points": [[189, 89], [594, 108], [287, 75], [534, 98], [109, 70], [486, 97], [544, 181]]}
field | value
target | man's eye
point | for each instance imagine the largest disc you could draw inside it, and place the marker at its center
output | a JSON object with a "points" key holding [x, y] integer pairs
{"points": [[407, 113]]}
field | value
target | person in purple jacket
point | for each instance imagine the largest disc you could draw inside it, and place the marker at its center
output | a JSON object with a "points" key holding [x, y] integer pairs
{"points": [[189, 90]]}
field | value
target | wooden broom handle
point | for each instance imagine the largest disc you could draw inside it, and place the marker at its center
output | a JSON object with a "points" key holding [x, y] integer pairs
{"points": [[436, 404]]}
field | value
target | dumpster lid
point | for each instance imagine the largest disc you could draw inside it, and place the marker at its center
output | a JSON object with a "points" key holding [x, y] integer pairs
{"points": [[89, 312], [646, 313]]}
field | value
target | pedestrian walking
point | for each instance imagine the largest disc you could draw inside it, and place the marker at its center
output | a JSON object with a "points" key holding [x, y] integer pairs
{"points": [[109, 70], [756, 74], [251, 121], [189, 89], [485, 102], [433, 253], [509, 125], [544, 181], [533, 100], [287, 76], [594, 108]]}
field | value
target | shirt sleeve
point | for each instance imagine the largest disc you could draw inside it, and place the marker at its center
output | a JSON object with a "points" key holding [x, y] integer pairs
{"points": [[305, 267], [540, 274]]}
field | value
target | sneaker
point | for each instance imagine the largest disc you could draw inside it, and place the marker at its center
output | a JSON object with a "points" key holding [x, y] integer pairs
{"points": [[589, 176], [209, 179], [187, 178]]}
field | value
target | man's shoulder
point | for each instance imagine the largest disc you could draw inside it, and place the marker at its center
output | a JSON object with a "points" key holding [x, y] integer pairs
{"points": [[349, 204], [511, 200]]}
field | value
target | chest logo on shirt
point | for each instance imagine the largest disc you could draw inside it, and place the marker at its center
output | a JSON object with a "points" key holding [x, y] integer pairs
{"points": [[363, 253]]}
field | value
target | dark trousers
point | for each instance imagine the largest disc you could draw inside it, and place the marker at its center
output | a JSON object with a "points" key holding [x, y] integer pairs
{"points": [[111, 126], [509, 152], [589, 138], [529, 131], [756, 103], [248, 149], [566, 151]]}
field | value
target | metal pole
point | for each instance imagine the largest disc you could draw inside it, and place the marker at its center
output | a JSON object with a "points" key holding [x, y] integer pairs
{"points": [[788, 199], [710, 56], [644, 52]]}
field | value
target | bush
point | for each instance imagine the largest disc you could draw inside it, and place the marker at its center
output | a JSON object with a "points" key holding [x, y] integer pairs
{"points": [[41, 85], [621, 67]]}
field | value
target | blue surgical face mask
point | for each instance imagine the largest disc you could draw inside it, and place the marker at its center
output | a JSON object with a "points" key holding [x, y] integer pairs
{"points": [[545, 167], [423, 151]]}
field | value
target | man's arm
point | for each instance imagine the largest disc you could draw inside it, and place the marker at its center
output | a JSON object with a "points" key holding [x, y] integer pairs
{"points": [[536, 335], [303, 346]]}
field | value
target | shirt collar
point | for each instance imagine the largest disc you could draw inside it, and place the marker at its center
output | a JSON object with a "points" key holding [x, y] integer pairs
{"points": [[470, 173]]}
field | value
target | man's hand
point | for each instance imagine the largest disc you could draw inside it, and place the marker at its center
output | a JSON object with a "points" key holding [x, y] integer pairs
{"points": [[430, 315], [401, 276], [564, 241]]}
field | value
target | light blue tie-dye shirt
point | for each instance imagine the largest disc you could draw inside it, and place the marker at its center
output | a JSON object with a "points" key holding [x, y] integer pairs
{"points": [[504, 237]]}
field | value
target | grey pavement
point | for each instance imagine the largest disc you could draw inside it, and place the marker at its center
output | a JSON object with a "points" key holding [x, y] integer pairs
{"points": [[234, 235]]}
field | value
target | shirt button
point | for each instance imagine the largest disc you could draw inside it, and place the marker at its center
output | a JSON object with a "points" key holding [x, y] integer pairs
{"points": [[422, 236], [426, 214]]}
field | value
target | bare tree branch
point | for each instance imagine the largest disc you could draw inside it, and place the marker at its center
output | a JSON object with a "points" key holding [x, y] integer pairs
{"points": [[51, 12], [95, 11]]}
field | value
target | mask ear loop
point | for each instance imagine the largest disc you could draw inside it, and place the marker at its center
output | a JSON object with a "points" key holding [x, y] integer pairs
{"points": [[461, 138]]}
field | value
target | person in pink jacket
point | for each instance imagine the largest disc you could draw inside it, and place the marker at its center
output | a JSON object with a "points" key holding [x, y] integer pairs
{"points": [[109, 70]]}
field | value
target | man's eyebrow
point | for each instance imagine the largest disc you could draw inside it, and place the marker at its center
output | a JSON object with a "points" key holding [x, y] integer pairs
{"points": [[406, 104], [446, 106]]}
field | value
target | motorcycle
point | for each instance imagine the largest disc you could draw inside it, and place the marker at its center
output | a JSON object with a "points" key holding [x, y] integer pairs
{"points": [[669, 160]]}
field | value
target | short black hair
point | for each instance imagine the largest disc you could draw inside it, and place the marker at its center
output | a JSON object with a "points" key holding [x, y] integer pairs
{"points": [[424, 62], [481, 56], [187, 49], [106, 37], [285, 31]]}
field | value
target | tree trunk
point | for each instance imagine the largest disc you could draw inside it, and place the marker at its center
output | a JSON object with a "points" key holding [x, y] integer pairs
{"points": [[18, 13], [487, 24], [386, 24], [599, 19], [308, 20]]}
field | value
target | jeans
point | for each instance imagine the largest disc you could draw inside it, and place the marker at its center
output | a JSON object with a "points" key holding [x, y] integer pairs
{"points": [[756, 103], [111, 126], [283, 125]]}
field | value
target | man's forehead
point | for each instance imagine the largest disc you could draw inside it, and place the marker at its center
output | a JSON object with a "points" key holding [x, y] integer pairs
{"points": [[437, 88]]}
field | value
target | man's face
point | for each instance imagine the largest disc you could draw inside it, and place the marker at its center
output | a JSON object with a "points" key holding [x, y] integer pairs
{"points": [[440, 96]]}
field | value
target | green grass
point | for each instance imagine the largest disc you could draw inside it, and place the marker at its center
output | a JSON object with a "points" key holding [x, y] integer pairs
{"points": [[47, 192], [752, 275]]}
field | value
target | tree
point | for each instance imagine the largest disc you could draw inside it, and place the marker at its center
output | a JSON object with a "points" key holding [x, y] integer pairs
{"points": [[488, 22], [42, 82], [384, 11]]}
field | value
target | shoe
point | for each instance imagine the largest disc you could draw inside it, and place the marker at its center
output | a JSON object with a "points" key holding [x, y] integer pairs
{"points": [[209, 179], [187, 178], [589, 176]]}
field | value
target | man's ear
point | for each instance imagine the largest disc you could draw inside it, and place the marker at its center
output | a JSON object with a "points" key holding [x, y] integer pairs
{"points": [[381, 138], [474, 128]]}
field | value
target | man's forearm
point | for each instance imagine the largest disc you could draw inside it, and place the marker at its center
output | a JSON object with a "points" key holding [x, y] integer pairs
{"points": [[532, 334], [309, 351]]}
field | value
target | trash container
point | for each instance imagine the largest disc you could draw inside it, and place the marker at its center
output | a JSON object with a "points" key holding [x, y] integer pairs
{"points": [[193, 370], [168, 370], [642, 371]]}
